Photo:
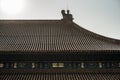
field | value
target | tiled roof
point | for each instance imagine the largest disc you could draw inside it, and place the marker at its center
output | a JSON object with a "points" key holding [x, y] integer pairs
{"points": [[60, 76], [50, 35]]}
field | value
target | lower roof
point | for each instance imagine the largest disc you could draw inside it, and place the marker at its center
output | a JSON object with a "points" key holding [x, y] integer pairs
{"points": [[60, 76]]}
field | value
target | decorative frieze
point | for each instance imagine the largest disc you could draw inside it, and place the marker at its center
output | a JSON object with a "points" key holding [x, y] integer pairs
{"points": [[62, 65]]}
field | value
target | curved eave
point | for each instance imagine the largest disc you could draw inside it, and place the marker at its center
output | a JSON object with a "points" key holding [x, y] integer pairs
{"points": [[98, 36]]}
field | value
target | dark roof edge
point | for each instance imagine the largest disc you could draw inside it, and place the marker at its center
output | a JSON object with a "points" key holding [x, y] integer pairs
{"points": [[65, 71], [116, 41], [64, 51]]}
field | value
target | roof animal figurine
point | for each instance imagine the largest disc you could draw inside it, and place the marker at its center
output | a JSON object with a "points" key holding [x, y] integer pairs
{"points": [[68, 16]]}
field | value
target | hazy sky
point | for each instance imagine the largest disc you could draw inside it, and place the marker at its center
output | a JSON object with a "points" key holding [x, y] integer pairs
{"points": [[99, 16]]}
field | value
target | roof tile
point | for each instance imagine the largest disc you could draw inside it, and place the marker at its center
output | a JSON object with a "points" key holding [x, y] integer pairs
{"points": [[50, 35]]}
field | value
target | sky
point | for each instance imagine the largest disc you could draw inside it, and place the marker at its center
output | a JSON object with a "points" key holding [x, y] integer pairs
{"points": [[99, 16]]}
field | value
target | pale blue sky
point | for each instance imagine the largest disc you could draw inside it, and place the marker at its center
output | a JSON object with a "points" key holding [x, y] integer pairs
{"points": [[99, 16]]}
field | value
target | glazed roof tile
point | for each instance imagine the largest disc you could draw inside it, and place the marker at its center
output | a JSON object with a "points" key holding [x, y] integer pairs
{"points": [[50, 35]]}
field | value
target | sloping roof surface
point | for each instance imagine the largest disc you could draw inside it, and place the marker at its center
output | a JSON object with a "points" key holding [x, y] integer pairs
{"points": [[60, 76], [50, 35]]}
